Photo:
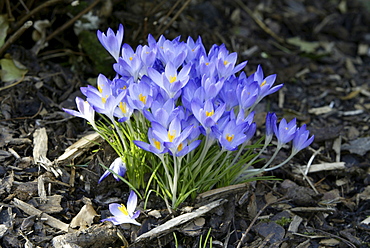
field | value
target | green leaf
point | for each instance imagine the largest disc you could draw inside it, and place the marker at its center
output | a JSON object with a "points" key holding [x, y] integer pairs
{"points": [[10, 71], [305, 46], [4, 25]]}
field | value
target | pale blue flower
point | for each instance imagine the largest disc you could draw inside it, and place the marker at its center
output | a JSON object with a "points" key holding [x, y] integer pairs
{"points": [[122, 214], [301, 139], [285, 132], [117, 167], [111, 41], [84, 111]]}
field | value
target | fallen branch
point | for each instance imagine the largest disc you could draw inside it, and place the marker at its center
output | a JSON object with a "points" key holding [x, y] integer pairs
{"points": [[50, 220], [171, 224]]}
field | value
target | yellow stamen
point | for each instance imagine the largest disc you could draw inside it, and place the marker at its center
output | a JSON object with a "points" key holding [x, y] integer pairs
{"points": [[210, 113], [229, 137], [123, 107], [130, 58], [207, 63], [124, 87], [172, 79], [100, 88], [172, 135], [157, 144], [180, 147], [226, 62], [263, 83], [104, 99], [142, 98], [123, 209]]}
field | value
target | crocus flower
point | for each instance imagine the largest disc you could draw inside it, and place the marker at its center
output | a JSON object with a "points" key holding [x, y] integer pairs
{"points": [[155, 145], [270, 126], [111, 41], [129, 64], [211, 86], [266, 84], [84, 111], [207, 115], [118, 167], [301, 139], [173, 136], [232, 135], [141, 94], [195, 49], [162, 112], [285, 132], [122, 214], [247, 94], [186, 146], [170, 80], [123, 111], [227, 93], [206, 67]]}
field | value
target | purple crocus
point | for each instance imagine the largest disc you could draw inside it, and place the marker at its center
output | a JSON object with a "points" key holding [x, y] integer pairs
{"points": [[102, 99], [173, 136], [211, 86], [227, 93], [111, 41], [155, 145], [232, 135], [301, 139], [265, 83], [141, 94], [121, 214], [285, 132], [123, 111], [117, 167], [270, 126], [247, 94], [170, 80], [162, 112], [130, 63], [207, 115], [84, 111]]}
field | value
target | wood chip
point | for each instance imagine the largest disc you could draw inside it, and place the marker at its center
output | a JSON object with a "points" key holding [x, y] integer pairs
{"points": [[221, 192], [40, 144], [293, 226], [320, 110], [79, 147], [50, 220], [171, 224], [313, 209], [103, 235], [322, 167]]}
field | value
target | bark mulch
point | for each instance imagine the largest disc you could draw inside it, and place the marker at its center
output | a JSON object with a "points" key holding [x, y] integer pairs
{"points": [[320, 51]]}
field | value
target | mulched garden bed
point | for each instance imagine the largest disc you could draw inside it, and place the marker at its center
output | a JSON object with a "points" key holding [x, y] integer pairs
{"points": [[49, 196]]}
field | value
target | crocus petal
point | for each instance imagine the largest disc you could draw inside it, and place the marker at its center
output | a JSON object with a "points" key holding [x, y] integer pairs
{"points": [[131, 202]]}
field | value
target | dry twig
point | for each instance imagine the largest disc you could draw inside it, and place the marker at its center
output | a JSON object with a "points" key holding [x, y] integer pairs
{"points": [[260, 23], [15, 36], [255, 219], [73, 20], [174, 18]]}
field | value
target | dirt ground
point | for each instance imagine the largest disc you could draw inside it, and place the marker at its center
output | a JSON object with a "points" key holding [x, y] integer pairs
{"points": [[320, 50]]}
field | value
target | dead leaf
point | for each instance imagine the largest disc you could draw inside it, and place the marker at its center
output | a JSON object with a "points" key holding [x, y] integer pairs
{"points": [[358, 146], [84, 218], [10, 71]]}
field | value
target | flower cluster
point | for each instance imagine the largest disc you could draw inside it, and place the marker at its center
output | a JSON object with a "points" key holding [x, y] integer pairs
{"points": [[170, 97]]}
